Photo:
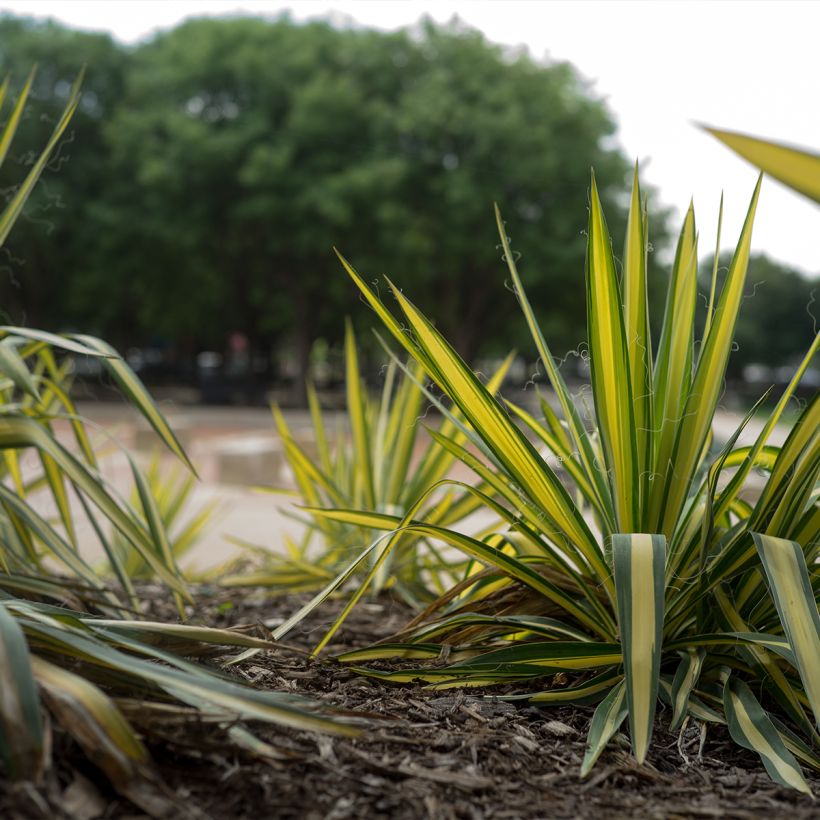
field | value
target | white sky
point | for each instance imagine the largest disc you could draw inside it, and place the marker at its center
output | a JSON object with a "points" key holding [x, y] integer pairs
{"points": [[747, 66]]}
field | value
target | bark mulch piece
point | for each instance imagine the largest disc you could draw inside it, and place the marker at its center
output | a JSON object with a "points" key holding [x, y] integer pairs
{"points": [[437, 755]]}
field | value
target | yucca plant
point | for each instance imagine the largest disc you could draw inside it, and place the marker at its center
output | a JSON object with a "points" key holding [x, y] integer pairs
{"points": [[382, 461], [171, 487], [654, 575], [71, 644]]}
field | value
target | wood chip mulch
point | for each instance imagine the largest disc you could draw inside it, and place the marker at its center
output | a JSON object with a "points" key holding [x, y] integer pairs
{"points": [[424, 754]]}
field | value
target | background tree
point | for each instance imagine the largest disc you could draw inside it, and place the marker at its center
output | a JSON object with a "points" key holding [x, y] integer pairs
{"points": [[227, 157]]}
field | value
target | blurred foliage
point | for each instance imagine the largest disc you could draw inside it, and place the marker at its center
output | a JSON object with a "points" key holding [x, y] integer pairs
{"points": [[54, 237], [213, 167]]}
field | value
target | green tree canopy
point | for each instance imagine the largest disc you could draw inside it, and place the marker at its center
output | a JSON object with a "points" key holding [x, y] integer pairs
{"points": [[226, 158]]}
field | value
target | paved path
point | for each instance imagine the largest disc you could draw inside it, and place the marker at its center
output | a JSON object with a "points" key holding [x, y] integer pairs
{"points": [[216, 439]]}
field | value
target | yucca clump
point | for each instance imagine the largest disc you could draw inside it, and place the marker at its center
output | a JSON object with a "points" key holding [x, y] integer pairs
{"points": [[654, 575], [381, 461]]}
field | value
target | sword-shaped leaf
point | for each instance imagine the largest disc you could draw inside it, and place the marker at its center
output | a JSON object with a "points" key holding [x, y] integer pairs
{"points": [[751, 728], [673, 366], [795, 167], [789, 582], [13, 367], [14, 208], [356, 407], [610, 371], [686, 677], [606, 721], [21, 728], [12, 123], [639, 561], [694, 427], [638, 336], [52, 339], [96, 723]]}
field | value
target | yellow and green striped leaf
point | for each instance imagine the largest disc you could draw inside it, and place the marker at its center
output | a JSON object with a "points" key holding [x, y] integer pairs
{"points": [[638, 337], [517, 662], [686, 677], [13, 367], [391, 650], [606, 721], [151, 631], [156, 528], [11, 124], [789, 582], [638, 560], [13, 209], [589, 690], [357, 410], [546, 655], [795, 167], [750, 727], [610, 370], [672, 372]]}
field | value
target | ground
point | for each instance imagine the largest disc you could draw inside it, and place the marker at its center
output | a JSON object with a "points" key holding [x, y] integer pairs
{"points": [[435, 755]]}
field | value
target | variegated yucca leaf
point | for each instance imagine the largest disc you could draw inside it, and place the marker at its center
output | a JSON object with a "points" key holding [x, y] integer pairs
{"points": [[751, 727], [696, 707], [610, 370], [788, 577], [639, 563], [14, 207], [13, 367], [605, 723], [795, 167], [686, 677]]}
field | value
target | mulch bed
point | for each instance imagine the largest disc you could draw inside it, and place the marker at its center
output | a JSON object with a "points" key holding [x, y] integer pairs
{"points": [[437, 755]]}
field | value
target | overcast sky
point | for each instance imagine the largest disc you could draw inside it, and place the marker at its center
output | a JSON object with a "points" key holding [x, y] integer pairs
{"points": [[748, 66]]}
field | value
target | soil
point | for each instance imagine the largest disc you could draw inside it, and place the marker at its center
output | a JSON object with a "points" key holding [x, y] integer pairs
{"points": [[425, 754]]}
